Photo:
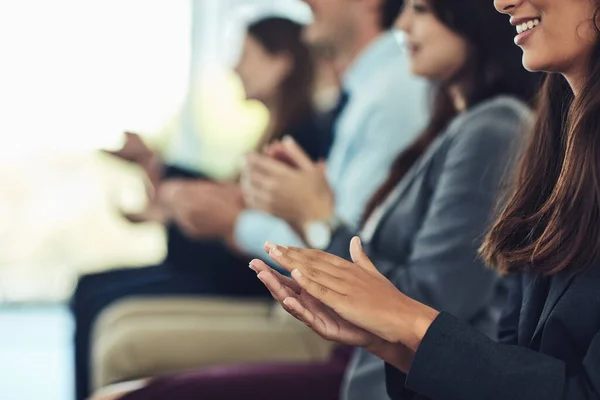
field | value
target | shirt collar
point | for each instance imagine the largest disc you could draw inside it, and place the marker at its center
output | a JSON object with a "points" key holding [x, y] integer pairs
{"points": [[383, 48]]}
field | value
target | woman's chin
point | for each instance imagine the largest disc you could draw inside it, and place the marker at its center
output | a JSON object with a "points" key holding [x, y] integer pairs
{"points": [[533, 63]]}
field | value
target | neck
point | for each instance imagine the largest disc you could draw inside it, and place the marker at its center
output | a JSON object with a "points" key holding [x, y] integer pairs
{"points": [[576, 83], [457, 94], [576, 77]]}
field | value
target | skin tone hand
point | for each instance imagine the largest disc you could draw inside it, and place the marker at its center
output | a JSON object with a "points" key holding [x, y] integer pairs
{"points": [[357, 292], [202, 209], [286, 183], [153, 213], [306, 308], [135, 150], [324, 320]]}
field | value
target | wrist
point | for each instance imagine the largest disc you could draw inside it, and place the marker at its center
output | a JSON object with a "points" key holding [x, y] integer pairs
{"points": [[395, 354], [409, 322], [319, 233], [378, 346], [228, 228]]}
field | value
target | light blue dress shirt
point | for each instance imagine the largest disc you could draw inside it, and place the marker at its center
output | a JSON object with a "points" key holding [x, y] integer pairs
{"points": [[387, 109]]}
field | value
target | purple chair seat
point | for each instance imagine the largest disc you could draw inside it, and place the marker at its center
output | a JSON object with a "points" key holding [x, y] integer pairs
{"points": [[293, 381]]}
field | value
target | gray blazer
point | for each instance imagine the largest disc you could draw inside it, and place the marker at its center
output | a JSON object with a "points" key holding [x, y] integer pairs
{"points": [[427, 239]]}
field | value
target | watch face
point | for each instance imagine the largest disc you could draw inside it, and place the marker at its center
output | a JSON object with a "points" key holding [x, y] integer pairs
{"points": [[318, 235]]}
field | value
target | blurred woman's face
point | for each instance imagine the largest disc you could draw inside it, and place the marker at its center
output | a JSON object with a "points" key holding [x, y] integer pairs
{"points": [[436, 52], [555, 35], [261, 72]]}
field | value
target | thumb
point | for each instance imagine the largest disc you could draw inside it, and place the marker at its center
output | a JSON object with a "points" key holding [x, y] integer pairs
{"points": [[295, 152], [359, 256]]}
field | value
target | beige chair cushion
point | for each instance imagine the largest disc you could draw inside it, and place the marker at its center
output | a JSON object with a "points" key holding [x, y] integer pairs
{"points": [[139, 338]]}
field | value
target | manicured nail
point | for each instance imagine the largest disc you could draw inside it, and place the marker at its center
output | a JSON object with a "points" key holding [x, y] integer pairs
{"points": [[296, 273], [286, 301], [276, 252], [251, 266], [269, 245], [260, 276]]}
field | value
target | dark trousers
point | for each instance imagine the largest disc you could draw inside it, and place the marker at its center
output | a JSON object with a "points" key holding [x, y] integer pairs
{"points": [[213, 271]]}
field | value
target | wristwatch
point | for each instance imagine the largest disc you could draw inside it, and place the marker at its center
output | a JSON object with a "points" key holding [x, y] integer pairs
{"points": [[318, 234]]}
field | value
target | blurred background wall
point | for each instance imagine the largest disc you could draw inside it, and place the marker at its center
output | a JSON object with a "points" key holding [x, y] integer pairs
{"points": [[77, 73]]}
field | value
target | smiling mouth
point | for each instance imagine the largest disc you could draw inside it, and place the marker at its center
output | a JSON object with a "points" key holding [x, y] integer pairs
{"points": [[527, 25]]}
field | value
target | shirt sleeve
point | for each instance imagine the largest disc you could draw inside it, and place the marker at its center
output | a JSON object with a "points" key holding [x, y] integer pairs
{"points": [[253, 228]]}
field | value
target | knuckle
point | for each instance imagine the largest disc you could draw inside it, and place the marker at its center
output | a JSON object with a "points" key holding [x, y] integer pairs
{"points": [[322, 290]]}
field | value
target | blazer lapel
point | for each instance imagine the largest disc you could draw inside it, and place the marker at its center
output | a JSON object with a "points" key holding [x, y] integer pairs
{"points": [[558, 287], [398, 193]]}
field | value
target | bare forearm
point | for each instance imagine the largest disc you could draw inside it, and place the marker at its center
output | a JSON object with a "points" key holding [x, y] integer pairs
{"points": [[394, 354]]}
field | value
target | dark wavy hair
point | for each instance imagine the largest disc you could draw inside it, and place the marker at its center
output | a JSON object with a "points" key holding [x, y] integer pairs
{"points": [[283, 36], [552, 220], [493, 68]]}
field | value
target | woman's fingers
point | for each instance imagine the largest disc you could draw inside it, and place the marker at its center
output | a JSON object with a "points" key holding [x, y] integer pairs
{"points": [[323, 292], [359, 256], [309, 257], [301, 313], [266, 166], [259, 266], [278, 290], [295, 152], [317, 271]]}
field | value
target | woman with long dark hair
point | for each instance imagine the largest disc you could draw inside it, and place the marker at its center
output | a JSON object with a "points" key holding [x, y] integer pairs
{"points": [[547, 234], [276, 69]]}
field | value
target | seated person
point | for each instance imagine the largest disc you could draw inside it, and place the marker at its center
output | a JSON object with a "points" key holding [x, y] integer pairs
{"points": [[276, 69]]}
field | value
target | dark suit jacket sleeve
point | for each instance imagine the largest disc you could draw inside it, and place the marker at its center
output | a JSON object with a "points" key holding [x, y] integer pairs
{"points": [[443, 269], [508, 327], [455, 361]]}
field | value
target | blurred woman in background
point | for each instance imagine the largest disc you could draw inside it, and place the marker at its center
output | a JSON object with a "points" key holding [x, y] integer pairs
{"points": [[276, 69]]}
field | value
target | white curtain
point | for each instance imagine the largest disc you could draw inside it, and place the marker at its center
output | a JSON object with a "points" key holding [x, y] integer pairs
{"points": [[74, 75]]}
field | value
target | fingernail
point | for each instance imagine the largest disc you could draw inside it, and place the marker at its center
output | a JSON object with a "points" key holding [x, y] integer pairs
{"points": [[260, 277], [286, 301], [269, 245], [297, 273], [276, 252], [358, 241], [251, 266]]}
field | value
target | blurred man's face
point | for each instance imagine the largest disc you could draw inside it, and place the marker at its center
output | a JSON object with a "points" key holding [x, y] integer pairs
{"points": [[334, 22]]}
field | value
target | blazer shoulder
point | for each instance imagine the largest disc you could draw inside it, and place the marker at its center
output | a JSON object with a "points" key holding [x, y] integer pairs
{"points": [[499, 118]]}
